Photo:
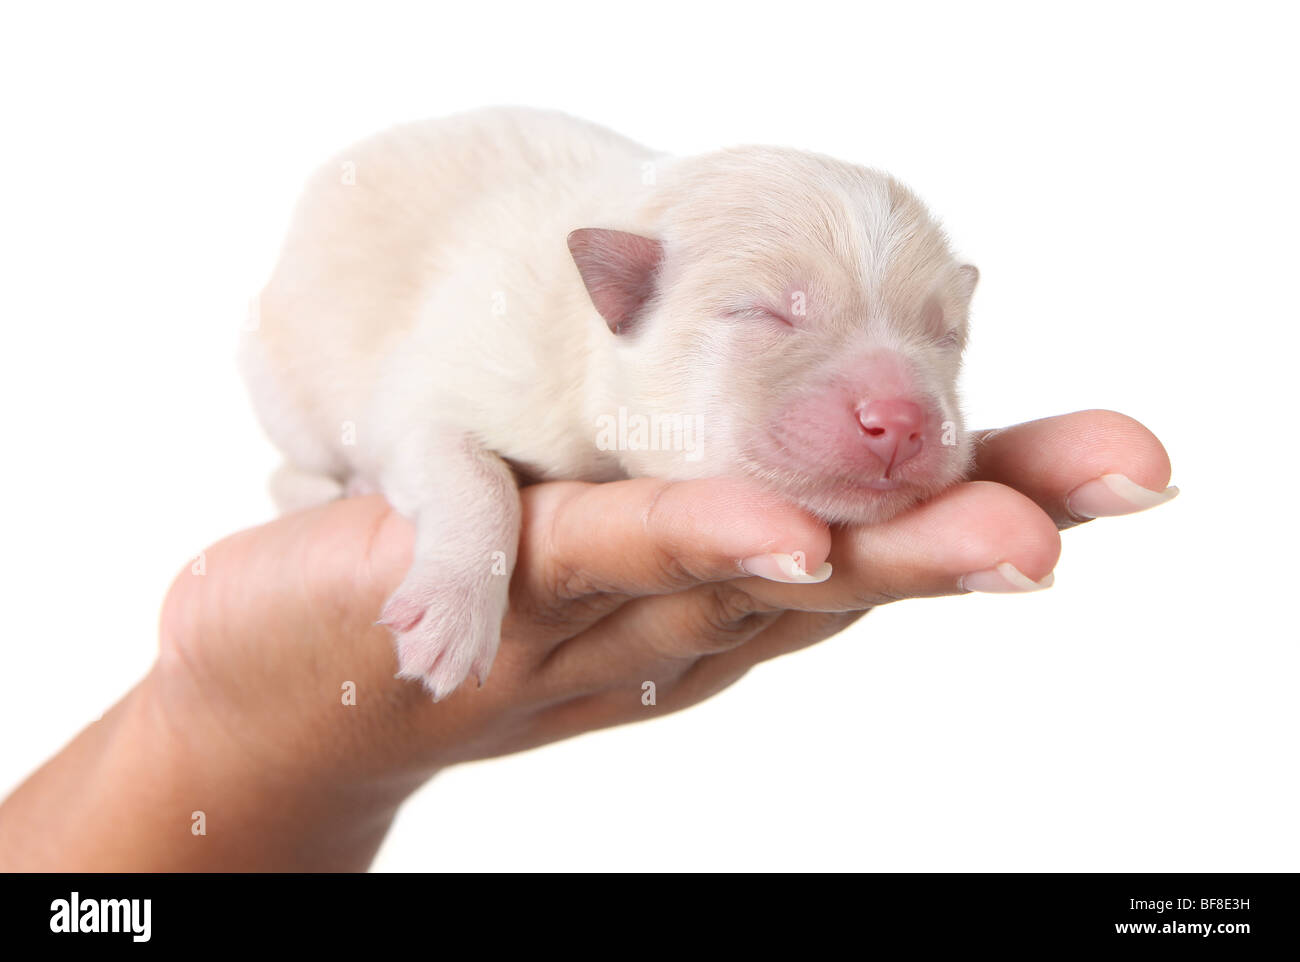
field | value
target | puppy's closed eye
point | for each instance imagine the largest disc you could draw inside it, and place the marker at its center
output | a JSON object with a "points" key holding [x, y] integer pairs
{"points": [[759, 312]]}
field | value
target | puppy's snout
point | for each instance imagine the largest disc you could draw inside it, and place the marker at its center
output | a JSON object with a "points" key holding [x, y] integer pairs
{"points": [[893, 430]]}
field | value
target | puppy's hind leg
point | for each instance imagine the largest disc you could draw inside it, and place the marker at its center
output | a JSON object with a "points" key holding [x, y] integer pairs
{"points": [[293, 489]]}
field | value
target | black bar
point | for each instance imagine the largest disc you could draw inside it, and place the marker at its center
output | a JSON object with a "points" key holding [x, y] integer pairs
{"points": [[640, 914]]}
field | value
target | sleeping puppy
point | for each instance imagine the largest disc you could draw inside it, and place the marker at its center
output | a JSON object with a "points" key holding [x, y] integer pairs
{"points": [[508, 295]]}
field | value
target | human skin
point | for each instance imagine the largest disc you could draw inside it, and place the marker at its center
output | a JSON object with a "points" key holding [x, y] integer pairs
{"points": [[242, 716]]}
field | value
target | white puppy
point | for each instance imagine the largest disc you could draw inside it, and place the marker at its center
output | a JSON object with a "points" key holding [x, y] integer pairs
{"points": [[515, 294]]}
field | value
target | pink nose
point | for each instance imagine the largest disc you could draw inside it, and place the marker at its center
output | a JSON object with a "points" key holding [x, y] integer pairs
{"points": [[892, 430]]}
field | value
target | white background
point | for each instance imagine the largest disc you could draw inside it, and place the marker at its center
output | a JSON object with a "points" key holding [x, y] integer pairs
{"points": [[1125, 178]]}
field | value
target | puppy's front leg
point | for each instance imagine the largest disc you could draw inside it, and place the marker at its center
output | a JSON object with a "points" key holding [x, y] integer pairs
{"points": [[447, 613]]}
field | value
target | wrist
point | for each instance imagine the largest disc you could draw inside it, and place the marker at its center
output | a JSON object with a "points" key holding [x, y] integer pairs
{"points": [[261, 785]]}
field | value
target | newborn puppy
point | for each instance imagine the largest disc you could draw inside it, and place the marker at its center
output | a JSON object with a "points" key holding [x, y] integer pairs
{"points": [[515, 294]]}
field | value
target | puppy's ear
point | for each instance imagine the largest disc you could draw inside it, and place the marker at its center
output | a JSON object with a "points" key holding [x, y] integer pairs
{"points": [[618, 269], [968, 276]]}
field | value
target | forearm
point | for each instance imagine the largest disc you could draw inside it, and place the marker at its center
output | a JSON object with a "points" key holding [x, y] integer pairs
{"points": [[141, 790]]}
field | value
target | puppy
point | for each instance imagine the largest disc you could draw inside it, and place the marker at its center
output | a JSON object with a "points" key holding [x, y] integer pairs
{"points": [[514, 294]]}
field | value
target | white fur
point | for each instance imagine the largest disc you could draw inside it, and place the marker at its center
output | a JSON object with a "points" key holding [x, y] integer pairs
{"points": [[426, 330]]}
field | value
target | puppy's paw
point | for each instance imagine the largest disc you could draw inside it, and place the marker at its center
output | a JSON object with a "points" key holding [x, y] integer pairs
{"points": [[446, 628]]}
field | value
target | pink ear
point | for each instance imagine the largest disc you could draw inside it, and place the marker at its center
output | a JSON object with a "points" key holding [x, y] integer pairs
{"points": [[618, 269]]}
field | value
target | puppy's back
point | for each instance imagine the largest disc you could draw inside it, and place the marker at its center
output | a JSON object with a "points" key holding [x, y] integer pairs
{"points": [[384, 224]]}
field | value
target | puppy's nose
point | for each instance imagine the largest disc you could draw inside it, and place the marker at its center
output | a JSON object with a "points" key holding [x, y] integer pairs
{"points": [[892, 430]]}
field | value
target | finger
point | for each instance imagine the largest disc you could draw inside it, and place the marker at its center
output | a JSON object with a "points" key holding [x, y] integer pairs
{"points": [[655, 638], [627, 697], [962, 540], [586, 548], [793, 631], [1074, 466], [974, 536]]}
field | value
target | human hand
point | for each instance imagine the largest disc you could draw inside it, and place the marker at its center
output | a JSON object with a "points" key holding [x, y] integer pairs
{"points": [[617, 585], [244, 715]]}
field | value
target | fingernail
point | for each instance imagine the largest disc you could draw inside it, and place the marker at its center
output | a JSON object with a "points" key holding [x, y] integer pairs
{"points": [[785, 568], [1113, 494], [1004, 578]]}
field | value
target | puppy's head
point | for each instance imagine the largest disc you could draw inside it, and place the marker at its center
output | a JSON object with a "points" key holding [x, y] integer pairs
{"points": [[791, 318]]}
